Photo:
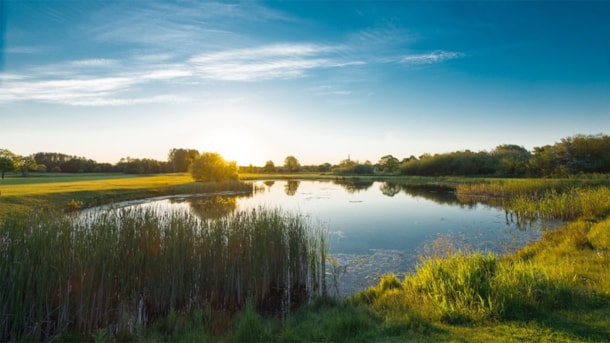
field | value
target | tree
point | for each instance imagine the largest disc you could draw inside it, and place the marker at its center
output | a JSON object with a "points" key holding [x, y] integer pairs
{"points": [[513, 159], [211, 167], [389, 164], [7, 161], [269, 167], [291, 164], [181, 159], [25, 164]]}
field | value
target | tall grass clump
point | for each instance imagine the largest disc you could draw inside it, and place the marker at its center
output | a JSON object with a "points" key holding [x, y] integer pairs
{"points": [[457, 288], [471, 288], [505, 188], [532, 199], [568, 205], [123, 269]]}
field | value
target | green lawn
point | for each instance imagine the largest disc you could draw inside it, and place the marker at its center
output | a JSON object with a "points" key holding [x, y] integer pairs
{"points": [[21, 194]]}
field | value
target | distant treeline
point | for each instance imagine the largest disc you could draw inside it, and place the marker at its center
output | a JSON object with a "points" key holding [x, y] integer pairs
{"points": [[572, 155], [179, 160]]}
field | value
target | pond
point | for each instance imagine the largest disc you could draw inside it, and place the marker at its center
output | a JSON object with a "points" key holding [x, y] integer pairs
{"points": [[373, 228]]}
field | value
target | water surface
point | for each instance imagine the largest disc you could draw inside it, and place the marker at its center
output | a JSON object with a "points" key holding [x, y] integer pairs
{"points": [[373, 228]]}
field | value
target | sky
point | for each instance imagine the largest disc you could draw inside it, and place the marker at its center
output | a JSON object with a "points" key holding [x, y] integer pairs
{"points": [[318, 80]]}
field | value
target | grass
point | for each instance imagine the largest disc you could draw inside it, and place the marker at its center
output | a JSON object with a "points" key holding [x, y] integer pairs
{"points": [[19, 195], [554, 290], [122, 270]]}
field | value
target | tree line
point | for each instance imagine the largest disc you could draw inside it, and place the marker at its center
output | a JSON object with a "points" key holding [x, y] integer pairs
{"points": [[571, 155]]}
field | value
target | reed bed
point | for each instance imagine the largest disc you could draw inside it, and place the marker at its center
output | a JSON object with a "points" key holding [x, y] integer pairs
{"points": [[568, 205], [532, 199], [505, 188], [123, 269]]}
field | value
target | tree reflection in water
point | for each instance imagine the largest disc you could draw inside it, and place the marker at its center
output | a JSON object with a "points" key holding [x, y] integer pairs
{"points": [[390, 189], [269, 184], [354, 185], [291, 187], [213, 207]]}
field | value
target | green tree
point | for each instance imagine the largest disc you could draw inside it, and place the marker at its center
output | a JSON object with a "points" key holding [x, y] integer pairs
{"points": [[512, 159], [543, 161], [7, 161], [324, 167], [211, 167], [389, 164], [269, 167], [291, 164], [181, 159], [25, 164], [345, 167]]}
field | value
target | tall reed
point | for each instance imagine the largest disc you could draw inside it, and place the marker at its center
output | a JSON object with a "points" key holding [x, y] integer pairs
{"points": [[547, 199], [122, 269], [567, 205]]}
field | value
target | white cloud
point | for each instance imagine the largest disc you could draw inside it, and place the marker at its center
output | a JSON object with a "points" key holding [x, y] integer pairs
{"points": [[94, 62], [278, 61], [63, 91], [22, 50], [429, 58], [166, 73]]}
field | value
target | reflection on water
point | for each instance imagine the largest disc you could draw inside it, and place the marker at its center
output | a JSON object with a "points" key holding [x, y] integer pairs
{"points": [[375, 227], [390, 189], [291, 187], [212, 207], [353, 185]]}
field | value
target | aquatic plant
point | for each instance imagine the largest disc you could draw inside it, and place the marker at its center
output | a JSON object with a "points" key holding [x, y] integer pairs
{"points": [[123, 269]]}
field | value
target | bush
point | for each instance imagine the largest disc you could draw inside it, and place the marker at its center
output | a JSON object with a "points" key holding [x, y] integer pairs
{"points": [[212, 167]]}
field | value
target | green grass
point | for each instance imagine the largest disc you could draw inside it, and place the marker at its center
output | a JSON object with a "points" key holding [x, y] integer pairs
{"points": [[122, 270], [19, 195], [554, 290]]}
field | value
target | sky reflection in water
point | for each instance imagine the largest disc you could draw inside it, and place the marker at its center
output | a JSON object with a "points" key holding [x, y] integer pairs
{"points": [[374, 228]]}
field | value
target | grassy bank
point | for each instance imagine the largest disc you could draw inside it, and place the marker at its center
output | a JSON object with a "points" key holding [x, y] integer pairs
{"points": [[176, 287], [19, 195], [556, 290]]}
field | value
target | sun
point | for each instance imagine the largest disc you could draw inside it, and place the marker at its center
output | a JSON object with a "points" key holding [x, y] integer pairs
{"points": [[234, 147]]}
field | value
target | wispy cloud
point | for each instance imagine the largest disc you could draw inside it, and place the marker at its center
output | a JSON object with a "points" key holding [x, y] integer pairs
{"points": [[94, 62], [63, 91], [189, 44], [430, 58], [99, 81], [330, 90], [278, 61], [162, 24], [81, 82], [23, 50]]}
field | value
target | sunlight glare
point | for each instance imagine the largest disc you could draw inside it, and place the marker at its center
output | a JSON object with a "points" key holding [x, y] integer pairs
{"points": [[234, 147]]}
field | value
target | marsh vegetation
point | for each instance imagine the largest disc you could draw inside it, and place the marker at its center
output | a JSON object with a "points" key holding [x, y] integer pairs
{"points": [[122, 270], [131, 273]]}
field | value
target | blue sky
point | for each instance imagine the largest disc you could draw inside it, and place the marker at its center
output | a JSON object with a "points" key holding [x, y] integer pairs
{"points": [[320, 80]]}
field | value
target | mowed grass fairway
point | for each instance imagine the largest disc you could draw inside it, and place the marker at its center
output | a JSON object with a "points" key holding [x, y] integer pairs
{"points": [[19, 194], [63, 183]]}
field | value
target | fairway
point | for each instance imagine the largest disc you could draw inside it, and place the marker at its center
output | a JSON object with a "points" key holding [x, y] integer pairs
{"points": [[57, 183]]}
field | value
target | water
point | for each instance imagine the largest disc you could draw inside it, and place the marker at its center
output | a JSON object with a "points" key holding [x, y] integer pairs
{"points": [[374, 228]]}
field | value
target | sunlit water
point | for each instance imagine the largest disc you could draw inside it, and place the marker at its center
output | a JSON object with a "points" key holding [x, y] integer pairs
{"points": [[373, 228]]}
